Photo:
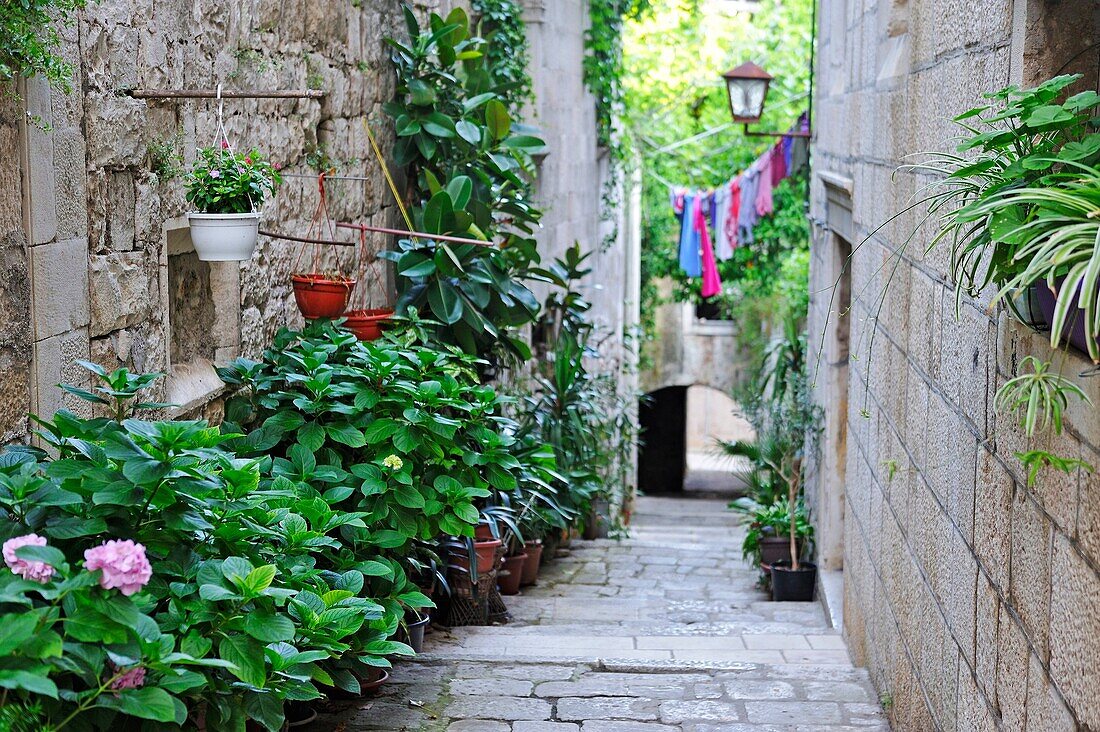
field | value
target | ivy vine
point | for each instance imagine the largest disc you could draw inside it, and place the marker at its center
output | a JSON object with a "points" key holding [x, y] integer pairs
{"points": [[603, 62], [501, 24], [29, 40]]}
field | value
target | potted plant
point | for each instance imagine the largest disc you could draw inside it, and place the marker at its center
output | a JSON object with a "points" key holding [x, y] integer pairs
{"points": [[766, 541], [793, 580], [227, 189], [322, 295], [367, 323]]}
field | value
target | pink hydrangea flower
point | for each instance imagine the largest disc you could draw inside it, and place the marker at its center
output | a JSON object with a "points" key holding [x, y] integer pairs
{"points": [[27, 569], [123, 563], [132, 679]]}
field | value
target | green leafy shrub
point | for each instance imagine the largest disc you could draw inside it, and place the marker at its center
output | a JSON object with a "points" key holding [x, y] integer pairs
{"points": [[243, 609], [29, 40], [469, 165], [774, 520], [224, 181]]}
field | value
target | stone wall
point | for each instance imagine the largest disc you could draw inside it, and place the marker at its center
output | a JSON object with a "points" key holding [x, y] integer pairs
{"points": [[109, 273], [574, 176], [973, 599], [690, 350]]}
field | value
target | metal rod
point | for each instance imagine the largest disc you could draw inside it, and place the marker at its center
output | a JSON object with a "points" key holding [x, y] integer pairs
{"points": [[415, 234], [751, 133], [305, 240], [313, 176], [213, 94]]}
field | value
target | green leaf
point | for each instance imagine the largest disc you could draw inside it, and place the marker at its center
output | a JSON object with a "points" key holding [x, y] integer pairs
{"points": [[215, 593], [15, 630], [268, 627], [347, 435], [420, 93], [1051, 115], [497, 119], [438, 213], [48, 554], [260, 578], [444, 301], [247, 656], [460, 189], [149, 702], [468, 131], [312, 436], [379, 430], [408, 496], [28, 681], [267, 709]]}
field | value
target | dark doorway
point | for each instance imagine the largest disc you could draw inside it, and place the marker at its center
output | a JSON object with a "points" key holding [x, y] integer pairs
{"points": [[662, 455]]}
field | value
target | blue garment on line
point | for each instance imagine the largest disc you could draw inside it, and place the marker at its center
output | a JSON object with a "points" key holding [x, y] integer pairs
{"points": [[747, 215], [690, 260]]}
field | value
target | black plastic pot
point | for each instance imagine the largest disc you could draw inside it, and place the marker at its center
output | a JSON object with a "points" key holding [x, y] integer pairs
{"points": [[789, 585], [416, 633], [299, 714], [1075, 333]]}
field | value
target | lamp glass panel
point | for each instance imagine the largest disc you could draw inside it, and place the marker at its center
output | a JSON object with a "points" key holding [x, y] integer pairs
{"points": [[747, 97]]}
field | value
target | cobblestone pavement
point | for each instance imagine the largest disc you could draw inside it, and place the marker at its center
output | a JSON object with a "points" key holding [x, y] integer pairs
{"points": [[662, 632]]}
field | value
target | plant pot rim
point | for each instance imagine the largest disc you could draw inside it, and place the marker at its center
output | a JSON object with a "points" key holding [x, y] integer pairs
{"points": [[369, 314], [784, 565], [317, 278], [516, 557], [487, 542], [213, 216], [420, 619]]}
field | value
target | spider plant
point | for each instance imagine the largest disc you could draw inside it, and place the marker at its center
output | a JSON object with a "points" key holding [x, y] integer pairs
{"points": [[1040, 396]]}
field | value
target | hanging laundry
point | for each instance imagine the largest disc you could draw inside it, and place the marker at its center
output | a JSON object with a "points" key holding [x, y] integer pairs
{"points": [[779, 164], [712, 283], [689, 236], [787, 155], [800, 154], [764, 205], [747, 216], [734, 213], [723, 247]]}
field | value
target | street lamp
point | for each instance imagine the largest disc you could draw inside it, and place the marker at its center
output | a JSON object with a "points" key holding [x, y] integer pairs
{"points": [[747, 86]]}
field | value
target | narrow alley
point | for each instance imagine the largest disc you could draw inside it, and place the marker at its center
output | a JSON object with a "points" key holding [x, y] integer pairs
{"points": [[661, 632]]}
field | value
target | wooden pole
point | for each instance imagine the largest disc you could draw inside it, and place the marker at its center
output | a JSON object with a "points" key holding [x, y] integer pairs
{"points": [[304, 240]]}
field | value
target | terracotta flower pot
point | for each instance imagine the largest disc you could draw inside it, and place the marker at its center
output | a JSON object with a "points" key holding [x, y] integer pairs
{"points": [[483, 533], [486, 554], [530, 573], [509, 579], [321, 297], [367, 325]]}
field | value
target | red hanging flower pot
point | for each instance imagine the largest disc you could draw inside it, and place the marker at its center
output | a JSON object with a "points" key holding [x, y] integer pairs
{"points": [[320, 296], [367, 325]]}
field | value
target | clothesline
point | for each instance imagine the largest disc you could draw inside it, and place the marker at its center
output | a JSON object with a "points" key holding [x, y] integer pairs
{"points": [[732, 209]]}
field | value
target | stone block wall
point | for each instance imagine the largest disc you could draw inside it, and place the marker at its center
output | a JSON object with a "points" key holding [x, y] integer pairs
{"points": [[94, 248], [973, 599]]}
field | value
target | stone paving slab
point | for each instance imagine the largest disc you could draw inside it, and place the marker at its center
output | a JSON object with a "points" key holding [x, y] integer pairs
{"points": [[663, 632]]}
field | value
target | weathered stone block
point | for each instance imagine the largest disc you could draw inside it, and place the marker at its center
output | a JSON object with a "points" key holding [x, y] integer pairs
{"points": [[59, 287], [120, 212], [1075, 631], [123, 287], [1012, 671], [54, 359], [1029, 586]]}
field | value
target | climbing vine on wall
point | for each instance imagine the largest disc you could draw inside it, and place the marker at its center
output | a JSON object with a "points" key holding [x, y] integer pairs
{"points": [[507, 53], [29, 40], [603, 62]]}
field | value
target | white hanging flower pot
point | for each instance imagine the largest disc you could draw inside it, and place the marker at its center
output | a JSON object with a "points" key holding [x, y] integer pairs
{"points": [[220, 237]]}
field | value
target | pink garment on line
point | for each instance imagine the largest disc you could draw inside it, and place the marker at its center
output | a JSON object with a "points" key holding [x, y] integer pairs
{"points": [[764, 205], [735, 211], [779, 163], [712, 283]]}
